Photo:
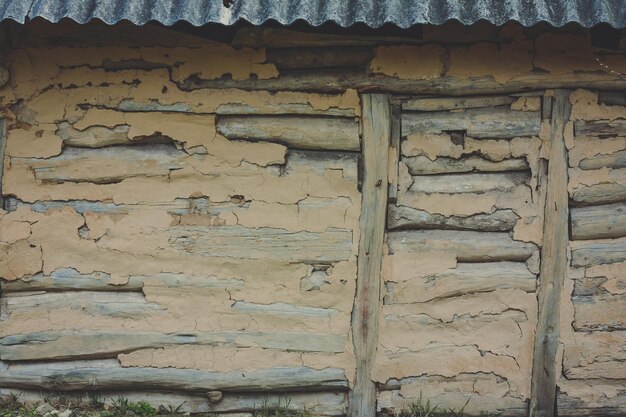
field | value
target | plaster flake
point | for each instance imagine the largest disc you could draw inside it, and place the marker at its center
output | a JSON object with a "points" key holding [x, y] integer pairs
{"points": [[19, 259], [589, 147], [532, 103], [38, 143], [408, 62], [585, 106]]}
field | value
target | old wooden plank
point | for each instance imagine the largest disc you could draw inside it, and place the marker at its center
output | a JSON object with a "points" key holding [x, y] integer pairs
{"points": [[467, 246], [106, 165], [553, 265], [571, 405], [68, 279], [468, 183], [402, 217], [453, 103], [332, 245], [601, 128], [316, 57], [478, 123], [466, 278], [321, 133], [615, 160], [3, 145], [376, 128], [598, 252], [599, 312], [422, 165], [92, 375], [603, 193], [93, 136], [394, 152], [612, 98], [598, 222], [73, 344]]}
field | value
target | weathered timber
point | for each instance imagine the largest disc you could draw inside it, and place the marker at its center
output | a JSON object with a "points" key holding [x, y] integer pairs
{"points": [[376, 128], [104, 303], [319, 57], [453, 103], [601, 128], [546, 107], [603, 193], [609, 406], [599, 312], [615, 160], [596, 355], [422, 165], [478, 123], [468, 183], [598, 222], [74, 344], [336, 81], [402, 217], [92, 375], [325, 403], [466, 278], [283, 309], [394, 152], [612, 98], [321, 161], [553, 265], [332, 245], [3, 144], [106, 165], [93, 136], [599, 252], [467, 246], [67, 279], [321, 133]]}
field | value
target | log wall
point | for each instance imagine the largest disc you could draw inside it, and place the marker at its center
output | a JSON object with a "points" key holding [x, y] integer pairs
{"points": [[184, 215]]}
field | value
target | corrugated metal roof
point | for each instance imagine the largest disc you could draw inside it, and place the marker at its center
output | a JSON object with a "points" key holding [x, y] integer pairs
{"points": [[374, 13]]}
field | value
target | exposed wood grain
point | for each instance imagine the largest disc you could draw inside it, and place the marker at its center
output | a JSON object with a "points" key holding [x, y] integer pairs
{"points": [[75, 344], [478, 123], [468, 183], [332, 245], [598, 252], [553, 265], [601, 128], [422, 165], [467, 246], [394, 152], [599, 312], [604, 193], [402, 217], [92, 375], [376, 128], [611, 406], [321, 133], [466, 278], [453, 103], [3, 144], [599, 222], [615, 160], [93, 136]]}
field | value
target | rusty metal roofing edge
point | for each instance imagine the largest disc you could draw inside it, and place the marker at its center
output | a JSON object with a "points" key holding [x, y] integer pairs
{"points": [[374, 13]]}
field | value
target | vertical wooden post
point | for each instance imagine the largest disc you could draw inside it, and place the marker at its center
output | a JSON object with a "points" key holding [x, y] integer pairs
{"points": [[553, 265], [3, 145], [376, 133]]}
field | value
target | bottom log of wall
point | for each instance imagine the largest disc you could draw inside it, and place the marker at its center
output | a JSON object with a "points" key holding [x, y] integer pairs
{"points": [[108, 374]]}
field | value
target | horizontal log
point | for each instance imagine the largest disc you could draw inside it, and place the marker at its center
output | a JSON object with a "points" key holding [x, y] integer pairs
{"points": [[68, 279], [467, 246], [94, 136], [324, 404], [464, 279], [106, 165], [594, 406], [73, 344], [321, 133], [605, 193], [337, 81], [477, 123], [599, 312], [421, 165], [595, 355], [612, 98], [333, 245], [453, 103], [468, 183], [615, 160], [401, 217], [598, 222], [105, 303], [320, 161], [601, 128], [598, 253], [90, 376], [319, 57], [283, 309]]}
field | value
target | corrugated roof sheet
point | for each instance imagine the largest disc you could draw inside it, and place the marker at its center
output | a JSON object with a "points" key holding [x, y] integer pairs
{"points": [[374, 13]]}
